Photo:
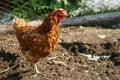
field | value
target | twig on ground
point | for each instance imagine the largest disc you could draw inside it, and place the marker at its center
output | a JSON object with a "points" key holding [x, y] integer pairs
{"points": [[9, 68], [60, 63]]}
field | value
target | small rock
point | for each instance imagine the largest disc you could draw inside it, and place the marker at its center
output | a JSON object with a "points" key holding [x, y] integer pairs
{"points": [[101, 36]]}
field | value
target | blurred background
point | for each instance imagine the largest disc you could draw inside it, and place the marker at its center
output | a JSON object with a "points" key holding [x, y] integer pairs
{"points": [[38, 9]]}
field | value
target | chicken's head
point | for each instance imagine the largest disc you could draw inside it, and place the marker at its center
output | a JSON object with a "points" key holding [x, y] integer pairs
{"points": [[60, 15]]}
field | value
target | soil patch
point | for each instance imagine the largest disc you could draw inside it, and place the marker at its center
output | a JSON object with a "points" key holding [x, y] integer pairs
{"points": [[74, 66]]}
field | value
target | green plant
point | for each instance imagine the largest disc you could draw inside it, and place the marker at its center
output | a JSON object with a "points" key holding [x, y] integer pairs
{"points": [[38, 9], [31, 9]]}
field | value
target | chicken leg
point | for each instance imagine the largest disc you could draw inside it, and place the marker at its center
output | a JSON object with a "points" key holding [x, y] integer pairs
{"points": [[36, 69]]}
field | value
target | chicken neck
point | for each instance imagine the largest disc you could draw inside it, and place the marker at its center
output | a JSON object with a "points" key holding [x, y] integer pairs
{"points": [[48, 24]]}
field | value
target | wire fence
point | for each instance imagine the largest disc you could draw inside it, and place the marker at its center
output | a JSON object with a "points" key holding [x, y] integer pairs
{"points": [[6, 9], [87, 6]]}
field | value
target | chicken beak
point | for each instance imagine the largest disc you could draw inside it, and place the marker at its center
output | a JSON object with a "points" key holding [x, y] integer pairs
{"points": [[65, 13]]}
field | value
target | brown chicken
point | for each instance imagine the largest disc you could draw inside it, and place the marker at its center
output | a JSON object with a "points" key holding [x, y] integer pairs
{"points": [[39, 42]]}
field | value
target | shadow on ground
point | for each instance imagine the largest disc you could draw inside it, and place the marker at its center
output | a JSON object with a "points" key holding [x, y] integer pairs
{"points": [[10, 59], [7, 56], [12, 77]]}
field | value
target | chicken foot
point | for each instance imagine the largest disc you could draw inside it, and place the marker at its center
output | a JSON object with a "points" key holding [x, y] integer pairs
{"points": [[36, 69]]}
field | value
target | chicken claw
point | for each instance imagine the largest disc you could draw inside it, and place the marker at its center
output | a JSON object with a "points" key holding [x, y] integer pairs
{"points": [[36, 69]]}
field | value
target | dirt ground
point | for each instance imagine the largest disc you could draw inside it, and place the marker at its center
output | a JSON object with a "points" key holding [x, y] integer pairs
{"points": [[69, 64]]}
